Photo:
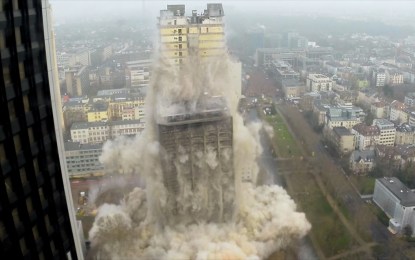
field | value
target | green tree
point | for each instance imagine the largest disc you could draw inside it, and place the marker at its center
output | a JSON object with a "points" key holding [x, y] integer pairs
{"points": [[369, 118]]}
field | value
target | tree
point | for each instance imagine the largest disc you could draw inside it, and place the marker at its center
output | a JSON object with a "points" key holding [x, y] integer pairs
{"points": [[369, 118]]}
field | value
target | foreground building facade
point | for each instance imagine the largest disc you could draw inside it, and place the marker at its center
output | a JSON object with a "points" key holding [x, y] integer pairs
{"points": [[397, 201], [34, 218]]}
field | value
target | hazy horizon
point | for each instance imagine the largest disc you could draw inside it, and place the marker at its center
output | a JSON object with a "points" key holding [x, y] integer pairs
{"points": [[393, 12]]}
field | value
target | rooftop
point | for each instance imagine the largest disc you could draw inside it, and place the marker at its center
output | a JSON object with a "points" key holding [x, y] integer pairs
{"points": [[292, 83], [405, 128], [366, 155], [76, 146], [206, 109], [341, 131], [383, 123], [397, 188], [366, 130]]}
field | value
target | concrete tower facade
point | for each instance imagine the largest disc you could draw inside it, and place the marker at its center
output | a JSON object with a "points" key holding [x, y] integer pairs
{"points": [[198, 35], [197, 163]]}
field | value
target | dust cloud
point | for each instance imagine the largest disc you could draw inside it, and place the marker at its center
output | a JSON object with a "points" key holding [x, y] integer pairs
{"points": [[251, 223]]}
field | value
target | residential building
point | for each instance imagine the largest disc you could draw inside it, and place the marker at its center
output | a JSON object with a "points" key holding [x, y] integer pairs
{"points": [[410, 99], [379, 109], [407, 154], [80, 57], [36, 208], [99, 132], [126, 127], [265, 56], [318, 82], [361, 162], [388, 156], [366, 137], [397, 201], [397, 112], [379, 77], [307, 101], [343, 117], [387, 131], [62, 59], [137, 73], [200, 35], [99, 112], [119, 102], [83, 159], [395, 78], [405, 134], [283, 71], [292, 88], [342, 139], [320, 111], [77, 81], [133, 113]]}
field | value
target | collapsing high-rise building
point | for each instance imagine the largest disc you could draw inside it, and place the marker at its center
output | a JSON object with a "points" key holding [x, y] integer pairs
{"points": [[198, 35], [197, 162], [196, 137]]}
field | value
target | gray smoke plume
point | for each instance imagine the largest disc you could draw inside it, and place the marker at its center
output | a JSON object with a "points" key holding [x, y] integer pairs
{"points": [[264, 218]]}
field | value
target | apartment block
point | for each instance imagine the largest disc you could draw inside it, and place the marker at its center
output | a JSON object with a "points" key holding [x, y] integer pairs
{"points": [[83, 159], [366, 137], [199, 34], [397, 201], [387, 131], [99, 132], [318, 82]]}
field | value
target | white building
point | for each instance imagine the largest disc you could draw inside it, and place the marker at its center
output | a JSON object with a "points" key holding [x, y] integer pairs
{"points": [[410, 99], [133, 113], [337, 117], [83, 158], [397, 112], [405, 134], [397, 201], [137, 73], [387, 131], [379, 109], [318, 82], [99, 132], [365, 136], [77, 81], [395, 78], [379, 77]]}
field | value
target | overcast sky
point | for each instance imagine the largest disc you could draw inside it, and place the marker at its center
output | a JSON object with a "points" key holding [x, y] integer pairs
{"points": [[398, 11]]}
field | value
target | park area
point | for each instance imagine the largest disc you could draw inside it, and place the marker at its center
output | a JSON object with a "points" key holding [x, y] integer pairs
{"points": [[282, 140], [329, 235]]}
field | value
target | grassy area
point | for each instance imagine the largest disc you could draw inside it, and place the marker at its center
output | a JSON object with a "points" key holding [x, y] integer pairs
{"points": [[327, 230], [283, 140], [365, 184], [331, 235]]}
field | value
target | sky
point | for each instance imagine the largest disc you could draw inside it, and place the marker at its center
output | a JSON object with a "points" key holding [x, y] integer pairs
{"points": [[388, 11]]}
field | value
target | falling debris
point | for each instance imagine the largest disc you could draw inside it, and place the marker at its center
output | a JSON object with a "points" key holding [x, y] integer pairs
{"points": [[193, 156]]}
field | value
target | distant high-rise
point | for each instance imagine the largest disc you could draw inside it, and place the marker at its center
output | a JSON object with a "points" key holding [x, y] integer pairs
{"points": [[198, 35], [35, 222]]}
